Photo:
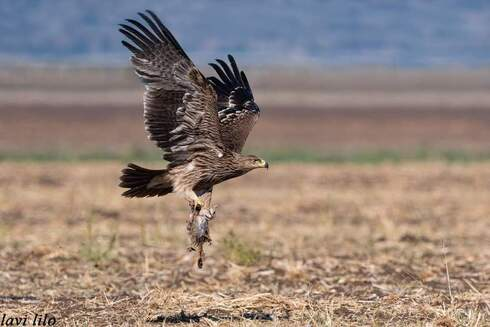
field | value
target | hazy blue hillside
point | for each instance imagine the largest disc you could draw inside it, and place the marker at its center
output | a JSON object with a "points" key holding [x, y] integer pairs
{"points": [[392, 33]]}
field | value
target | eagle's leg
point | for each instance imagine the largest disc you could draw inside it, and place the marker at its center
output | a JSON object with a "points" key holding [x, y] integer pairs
{"points": [[198, 224], [195, 201]]}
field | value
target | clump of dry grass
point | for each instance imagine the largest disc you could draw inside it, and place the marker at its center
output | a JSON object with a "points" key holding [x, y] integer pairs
{"points": [[175, 305]]}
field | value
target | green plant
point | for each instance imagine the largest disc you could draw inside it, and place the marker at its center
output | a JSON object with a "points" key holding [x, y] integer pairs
{"points": [[92, 250], [240, 252]]}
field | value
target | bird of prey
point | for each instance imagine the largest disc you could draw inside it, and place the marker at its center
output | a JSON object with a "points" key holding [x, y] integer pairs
{"points": [[201, 123]]}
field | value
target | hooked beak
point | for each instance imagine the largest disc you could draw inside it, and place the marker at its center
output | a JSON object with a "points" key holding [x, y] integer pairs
{"points": [[265, 164]]}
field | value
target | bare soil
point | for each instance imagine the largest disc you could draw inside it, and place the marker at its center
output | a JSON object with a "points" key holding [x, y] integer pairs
{"points": [[120, 128]]}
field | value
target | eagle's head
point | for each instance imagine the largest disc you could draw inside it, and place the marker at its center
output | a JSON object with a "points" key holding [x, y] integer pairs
{"points": [[250, 162]]}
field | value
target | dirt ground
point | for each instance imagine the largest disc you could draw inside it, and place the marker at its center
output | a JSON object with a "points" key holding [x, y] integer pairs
{"points": [[121, 129], [101, 110], [331, 245]]}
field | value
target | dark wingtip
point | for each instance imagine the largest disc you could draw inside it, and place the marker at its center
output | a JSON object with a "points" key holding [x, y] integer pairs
{"points": [[131, 48], [221, 62], [146, 18], [143, 15]]}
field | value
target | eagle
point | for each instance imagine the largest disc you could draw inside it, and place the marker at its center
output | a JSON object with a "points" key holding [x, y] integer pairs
{"points": [[201, 123]]}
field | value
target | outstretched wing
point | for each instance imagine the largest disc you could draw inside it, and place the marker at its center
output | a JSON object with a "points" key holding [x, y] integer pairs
{"points": [[198, 129], [180, 106], [237, 110]]}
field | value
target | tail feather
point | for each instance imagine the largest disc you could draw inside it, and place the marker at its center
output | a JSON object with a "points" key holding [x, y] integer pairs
{"points": [[137, 179]]}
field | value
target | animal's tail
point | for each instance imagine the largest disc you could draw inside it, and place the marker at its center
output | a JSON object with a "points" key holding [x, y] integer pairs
{"points": [[143, 182]]}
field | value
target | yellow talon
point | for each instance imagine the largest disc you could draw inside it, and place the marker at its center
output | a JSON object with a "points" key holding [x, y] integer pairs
{"points": [[198, 204]]}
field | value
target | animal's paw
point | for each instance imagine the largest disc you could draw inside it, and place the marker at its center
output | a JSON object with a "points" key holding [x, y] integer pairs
{"points": [[208, 213]]}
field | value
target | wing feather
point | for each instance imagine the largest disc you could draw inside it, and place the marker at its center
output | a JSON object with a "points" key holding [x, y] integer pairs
{"points": [[180, 104], [237, 110]]}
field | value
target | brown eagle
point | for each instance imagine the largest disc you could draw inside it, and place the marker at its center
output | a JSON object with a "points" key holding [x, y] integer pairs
{"points": [[201, 123]]}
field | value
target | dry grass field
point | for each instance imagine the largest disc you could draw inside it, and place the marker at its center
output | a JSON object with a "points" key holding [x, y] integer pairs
{"points": [[342, 235], [317, 245]]}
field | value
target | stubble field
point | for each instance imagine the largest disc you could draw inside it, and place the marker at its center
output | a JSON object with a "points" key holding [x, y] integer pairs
{"points": [[399, 245]]}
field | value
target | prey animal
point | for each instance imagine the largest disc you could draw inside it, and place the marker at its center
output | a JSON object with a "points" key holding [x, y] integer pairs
{"points": [[201, 123]]}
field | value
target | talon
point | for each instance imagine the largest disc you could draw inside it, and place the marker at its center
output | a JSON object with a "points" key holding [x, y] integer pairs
{"points": [[198, 204]]}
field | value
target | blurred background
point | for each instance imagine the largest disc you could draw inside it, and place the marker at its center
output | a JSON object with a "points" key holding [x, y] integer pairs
{"points": [[336, 80], [340, 81]]}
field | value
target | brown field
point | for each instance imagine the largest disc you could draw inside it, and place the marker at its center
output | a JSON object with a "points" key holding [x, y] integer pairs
{"points": [[341, 245], [120, 129], [339, 111], [320, 245]]}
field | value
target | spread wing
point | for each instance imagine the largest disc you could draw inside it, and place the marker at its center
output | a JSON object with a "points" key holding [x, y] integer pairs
{"points": [[180, 106], [237, 110]]}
